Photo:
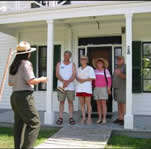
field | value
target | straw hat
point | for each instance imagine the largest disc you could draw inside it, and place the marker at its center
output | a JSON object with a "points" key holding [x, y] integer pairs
{"points": [[24, 47], [61, 89], [84, 57], [106, 64]]}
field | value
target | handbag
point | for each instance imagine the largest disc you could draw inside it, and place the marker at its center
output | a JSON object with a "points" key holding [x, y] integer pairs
{"points": [[106, 77], [107, 82]]}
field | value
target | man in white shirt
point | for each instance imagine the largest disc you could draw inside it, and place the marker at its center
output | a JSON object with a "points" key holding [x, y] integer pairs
{"points": [[66, 73]]}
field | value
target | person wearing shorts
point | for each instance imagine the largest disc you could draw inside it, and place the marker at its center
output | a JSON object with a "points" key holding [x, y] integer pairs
{"points": [[66, 73], [119, 86], [85, 75], [102, 88]]}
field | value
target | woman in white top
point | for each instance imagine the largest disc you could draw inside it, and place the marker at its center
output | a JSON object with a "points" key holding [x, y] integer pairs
{"points": [[85, 75]]}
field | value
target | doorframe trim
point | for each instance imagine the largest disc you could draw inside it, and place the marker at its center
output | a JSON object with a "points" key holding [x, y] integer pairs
{"points": [[102, 45]]}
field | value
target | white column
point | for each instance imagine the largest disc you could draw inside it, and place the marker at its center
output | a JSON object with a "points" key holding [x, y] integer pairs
{"points": [[49, 114], [129, 100]]}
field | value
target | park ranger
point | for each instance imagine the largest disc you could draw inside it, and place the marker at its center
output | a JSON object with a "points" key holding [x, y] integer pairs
{"points": [[22, 80]]}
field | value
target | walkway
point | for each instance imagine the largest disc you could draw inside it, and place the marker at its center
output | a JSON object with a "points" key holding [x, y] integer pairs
{"points": [[78, 136], [92, 136]]}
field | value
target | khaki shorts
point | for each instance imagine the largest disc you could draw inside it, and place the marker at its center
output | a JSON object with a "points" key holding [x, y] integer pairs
{"points": [[69, 94], [120, 96], [100, 93]]}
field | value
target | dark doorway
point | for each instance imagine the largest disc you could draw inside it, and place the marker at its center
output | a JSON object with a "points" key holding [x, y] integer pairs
{"points": [[104, 52]]}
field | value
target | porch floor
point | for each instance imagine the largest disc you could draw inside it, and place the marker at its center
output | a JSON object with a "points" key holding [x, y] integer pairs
{"points": [[141, 122]]}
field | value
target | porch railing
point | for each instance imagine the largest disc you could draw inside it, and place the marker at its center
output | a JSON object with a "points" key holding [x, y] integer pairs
{"points": [[22, 5], [14, 6]]}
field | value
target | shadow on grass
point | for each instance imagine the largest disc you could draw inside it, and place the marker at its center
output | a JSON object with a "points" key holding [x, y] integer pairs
{"points": [[47, 132], [6, 136], [6, 131], [44, 132]]}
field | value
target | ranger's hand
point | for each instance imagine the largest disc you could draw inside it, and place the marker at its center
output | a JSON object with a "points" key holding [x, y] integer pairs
{"points": [[44, 79]]}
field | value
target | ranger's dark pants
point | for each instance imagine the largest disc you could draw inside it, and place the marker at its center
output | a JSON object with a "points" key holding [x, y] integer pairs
{"points": [[27, 122]]}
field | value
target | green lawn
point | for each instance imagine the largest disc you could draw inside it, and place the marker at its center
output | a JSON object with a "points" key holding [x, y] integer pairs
{"points": [[6, 136], [128, 143]]}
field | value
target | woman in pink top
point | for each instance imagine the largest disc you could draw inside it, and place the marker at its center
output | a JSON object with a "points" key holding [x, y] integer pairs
{"points": [[102, 88]]}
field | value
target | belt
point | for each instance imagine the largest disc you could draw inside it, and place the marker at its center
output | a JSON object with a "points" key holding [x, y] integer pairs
{"points": [[23, 91]]}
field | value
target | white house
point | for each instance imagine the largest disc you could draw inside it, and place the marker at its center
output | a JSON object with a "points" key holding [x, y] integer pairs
{"points": [[95, 28]]}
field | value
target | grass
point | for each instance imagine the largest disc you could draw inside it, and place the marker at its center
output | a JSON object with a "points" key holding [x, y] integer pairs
{"points": [[6, 136], [124, 142]]}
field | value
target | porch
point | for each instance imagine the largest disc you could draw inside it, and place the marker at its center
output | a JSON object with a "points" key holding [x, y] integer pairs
{"points": [[67, 29], [140, 125]]}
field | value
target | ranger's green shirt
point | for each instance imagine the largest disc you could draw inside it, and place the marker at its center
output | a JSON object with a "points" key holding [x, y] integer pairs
{"points": [[24, 74]]}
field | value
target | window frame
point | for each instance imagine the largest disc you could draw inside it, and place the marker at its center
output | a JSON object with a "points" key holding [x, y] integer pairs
{"points": [[36, 70], [37, 74], [143, 56], [115, 57]]}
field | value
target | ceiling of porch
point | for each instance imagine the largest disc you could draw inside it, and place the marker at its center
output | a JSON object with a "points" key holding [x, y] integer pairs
{"points": [[13, 27]]}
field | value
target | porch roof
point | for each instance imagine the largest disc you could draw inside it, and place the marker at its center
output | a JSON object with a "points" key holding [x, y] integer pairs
{"points": [[74, 11], [13, 28]]}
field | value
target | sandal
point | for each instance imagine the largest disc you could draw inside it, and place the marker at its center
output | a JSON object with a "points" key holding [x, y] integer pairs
{"points": [[121, 122], [71, 121], [59, 121], [104, 122], [98, 121], [89, 122], [116, 121]]}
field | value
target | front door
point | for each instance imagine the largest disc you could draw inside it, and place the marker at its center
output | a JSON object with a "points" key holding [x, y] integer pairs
{"points": [[104, 52]]}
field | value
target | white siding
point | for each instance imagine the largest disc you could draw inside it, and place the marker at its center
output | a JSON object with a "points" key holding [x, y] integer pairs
{"points": [[6, 42], [8, 4], [142, 102], [11, 5]]}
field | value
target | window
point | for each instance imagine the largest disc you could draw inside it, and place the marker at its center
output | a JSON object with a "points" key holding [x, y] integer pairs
{"points": [[39, 61], [146, 66], [42, 65], [137, 66], [141, 66], [81, 52], [57, 58]]}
